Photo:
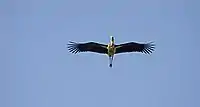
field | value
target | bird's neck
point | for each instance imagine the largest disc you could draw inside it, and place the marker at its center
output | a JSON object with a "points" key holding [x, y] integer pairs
{"points": [[111, 43]]}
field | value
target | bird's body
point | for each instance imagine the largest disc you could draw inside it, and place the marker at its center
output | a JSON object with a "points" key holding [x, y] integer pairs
{"points": [[111, 49]]}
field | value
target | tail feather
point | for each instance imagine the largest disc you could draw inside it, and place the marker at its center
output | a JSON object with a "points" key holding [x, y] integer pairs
{"points": [[111, 60]]}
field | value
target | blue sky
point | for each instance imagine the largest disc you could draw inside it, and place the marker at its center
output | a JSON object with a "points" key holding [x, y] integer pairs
{"points": [[38, 71]]}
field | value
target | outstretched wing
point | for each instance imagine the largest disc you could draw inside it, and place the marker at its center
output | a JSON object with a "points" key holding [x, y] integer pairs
{"points": [[74, 47], [147, 48]]}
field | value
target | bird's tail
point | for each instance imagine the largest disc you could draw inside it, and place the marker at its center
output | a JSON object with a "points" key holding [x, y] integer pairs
{"points": [[111, 60]]}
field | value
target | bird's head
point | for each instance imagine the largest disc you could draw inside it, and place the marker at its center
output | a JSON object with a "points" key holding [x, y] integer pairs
{"points": [[111, 39]]}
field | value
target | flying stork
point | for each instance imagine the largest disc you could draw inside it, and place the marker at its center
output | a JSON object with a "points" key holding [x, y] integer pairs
{"points": [[111, 49]]}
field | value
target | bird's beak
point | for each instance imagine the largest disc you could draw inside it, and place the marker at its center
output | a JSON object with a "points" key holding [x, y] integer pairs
{"points": [[112, 38]]}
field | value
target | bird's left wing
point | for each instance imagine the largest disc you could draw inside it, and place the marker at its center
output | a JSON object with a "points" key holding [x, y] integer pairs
{"points": [[135, 47], [85, 47]]}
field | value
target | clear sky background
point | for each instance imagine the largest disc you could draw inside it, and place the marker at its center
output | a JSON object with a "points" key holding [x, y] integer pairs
{"points": [[38, 71]]}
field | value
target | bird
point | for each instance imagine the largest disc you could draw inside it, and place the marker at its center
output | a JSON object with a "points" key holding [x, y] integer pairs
{"points": [[111, 48]]}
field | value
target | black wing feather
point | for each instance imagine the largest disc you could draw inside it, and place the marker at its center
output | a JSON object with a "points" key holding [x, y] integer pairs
{"points": [[147, 48], [74, 47]]}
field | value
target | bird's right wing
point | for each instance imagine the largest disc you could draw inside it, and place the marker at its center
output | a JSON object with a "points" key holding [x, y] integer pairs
{"points": [[85, 47], [146, 48]]}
